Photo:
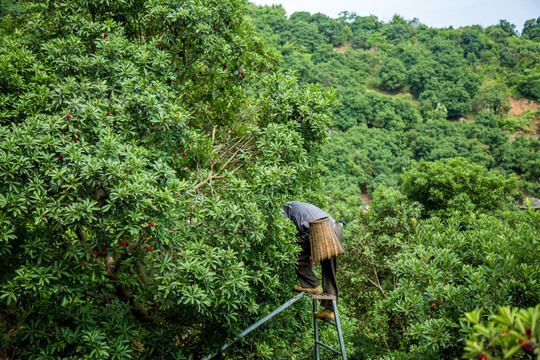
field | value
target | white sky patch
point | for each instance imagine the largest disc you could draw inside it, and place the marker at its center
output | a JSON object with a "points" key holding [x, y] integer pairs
{"points": [[433, 13]]}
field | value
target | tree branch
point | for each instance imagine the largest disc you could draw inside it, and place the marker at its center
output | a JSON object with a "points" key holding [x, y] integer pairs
{"points": [[101, 297], [81, 235], [143, 276], [377, 284]]}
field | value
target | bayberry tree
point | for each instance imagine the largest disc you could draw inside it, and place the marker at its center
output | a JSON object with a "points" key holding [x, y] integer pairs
{"points": [[146, 148], [456, 186]]}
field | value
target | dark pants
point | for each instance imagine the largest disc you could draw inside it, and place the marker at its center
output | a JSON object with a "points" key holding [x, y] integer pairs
{"points": [[328, 268]]}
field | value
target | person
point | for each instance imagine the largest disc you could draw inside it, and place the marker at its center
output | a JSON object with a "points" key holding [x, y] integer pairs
{"points": [[301, 214]]}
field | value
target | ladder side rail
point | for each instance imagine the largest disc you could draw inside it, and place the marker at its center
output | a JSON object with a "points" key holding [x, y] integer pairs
{"points": [[316, 329], [259, 322], [340, 333]]}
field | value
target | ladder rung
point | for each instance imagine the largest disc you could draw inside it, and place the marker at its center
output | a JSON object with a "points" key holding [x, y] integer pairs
{"points": [[329, 348], [327, 321], [322, 296]]}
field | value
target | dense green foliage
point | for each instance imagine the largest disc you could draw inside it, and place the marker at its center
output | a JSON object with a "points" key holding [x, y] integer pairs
{"points": [[408, 281], [146, 149], [399, 84], [511, 333], [147, 146], [451, 187], [425, 129]]}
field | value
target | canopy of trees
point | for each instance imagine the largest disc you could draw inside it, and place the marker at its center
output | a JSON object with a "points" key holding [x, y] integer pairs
{"points": [[424, 128], [418, 88], [146, 149]]}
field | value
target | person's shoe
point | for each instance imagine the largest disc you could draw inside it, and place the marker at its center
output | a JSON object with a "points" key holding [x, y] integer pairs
{"points": [[314, 291], [325, 314]]}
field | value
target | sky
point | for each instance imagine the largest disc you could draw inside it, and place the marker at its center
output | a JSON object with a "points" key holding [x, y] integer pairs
{"points": [[433, 13]]}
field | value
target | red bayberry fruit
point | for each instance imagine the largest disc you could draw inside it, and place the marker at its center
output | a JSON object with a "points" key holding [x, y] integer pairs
{"points": [[105, 35], [482, 356], [147, 248], [145, 239], [68, 116], [528, 332], [103, 253], [147, 20], [184, 154], [67, 205], [56, 195], [103, 248], [75, 139], [105, 268], [108, 113], [528, 347], [153, 223], [95, 251]]}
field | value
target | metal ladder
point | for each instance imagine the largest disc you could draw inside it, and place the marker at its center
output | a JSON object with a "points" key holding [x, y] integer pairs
{"points": [[315, 324], [337, 324]]}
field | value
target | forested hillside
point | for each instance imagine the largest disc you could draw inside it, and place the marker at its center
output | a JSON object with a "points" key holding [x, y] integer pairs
{"points": [[434, 140], [409, 92], [147, 148]]}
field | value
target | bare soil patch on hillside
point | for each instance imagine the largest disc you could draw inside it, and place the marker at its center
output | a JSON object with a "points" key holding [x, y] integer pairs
{"points": [[340, 49], [520, 106], [366, 198]]}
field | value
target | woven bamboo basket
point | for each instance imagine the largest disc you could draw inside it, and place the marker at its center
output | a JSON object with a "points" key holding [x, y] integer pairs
{"points": [[324, 241]]}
